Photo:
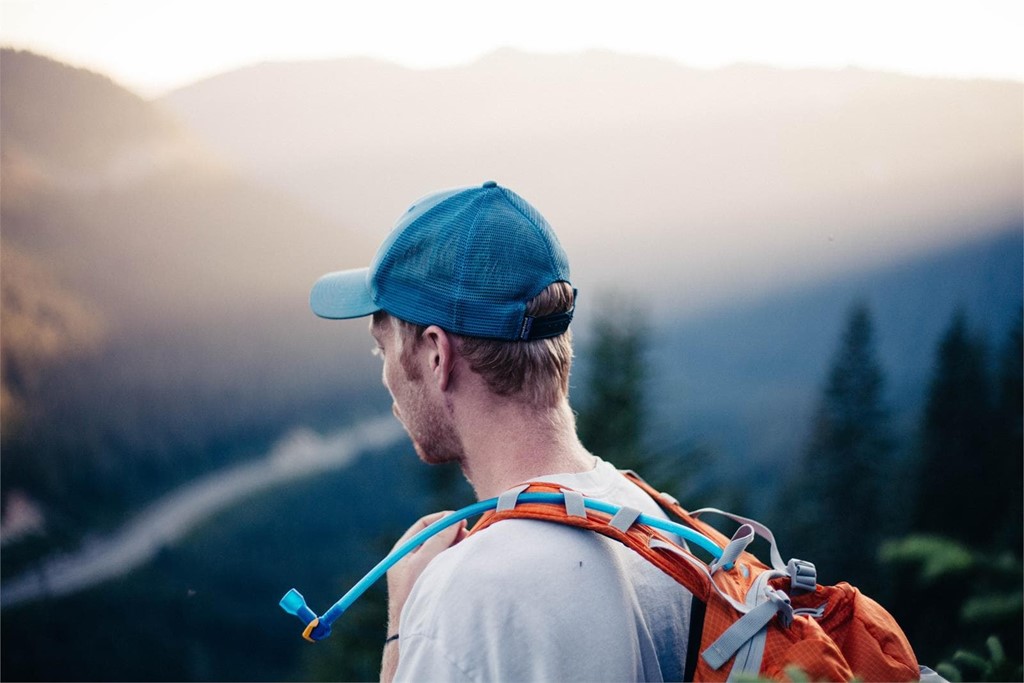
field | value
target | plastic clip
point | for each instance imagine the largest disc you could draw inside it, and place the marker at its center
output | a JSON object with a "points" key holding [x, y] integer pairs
{"points": [[783, 605], [803, 576], [308, 632]]}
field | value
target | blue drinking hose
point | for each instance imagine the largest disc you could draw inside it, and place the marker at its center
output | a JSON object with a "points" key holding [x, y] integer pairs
{"points": [[318, 628]]}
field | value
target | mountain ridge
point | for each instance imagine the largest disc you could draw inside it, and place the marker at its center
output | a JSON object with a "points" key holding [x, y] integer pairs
{"points": [[751, 177]]}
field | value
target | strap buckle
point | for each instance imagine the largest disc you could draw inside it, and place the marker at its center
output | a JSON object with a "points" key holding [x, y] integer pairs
{"points": [[803, 576]]}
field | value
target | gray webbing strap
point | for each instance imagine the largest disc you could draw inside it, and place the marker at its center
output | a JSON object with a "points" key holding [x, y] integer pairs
{"points": [[745, 638], [802, 574], [574, 506], [624, 519], [762, 531], [747, 664], [658, 544], [740, 540], [508, 499], [669, 498], [748, 626]]}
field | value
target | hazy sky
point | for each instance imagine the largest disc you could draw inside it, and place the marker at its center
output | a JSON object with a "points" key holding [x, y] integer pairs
{"points": [[155, 45]]}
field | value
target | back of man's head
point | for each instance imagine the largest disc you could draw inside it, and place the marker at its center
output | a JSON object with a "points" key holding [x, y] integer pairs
{"points": [[482, 264], [534, 373]]}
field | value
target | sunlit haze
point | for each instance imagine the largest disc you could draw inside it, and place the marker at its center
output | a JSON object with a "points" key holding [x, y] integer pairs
{"points": [[154, 46]]}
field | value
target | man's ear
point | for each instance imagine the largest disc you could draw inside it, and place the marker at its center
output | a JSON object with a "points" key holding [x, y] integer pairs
{"points": [[441, 355]]}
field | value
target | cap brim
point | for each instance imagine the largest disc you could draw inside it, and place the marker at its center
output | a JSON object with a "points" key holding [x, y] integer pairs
{"points": [[344, 294]]}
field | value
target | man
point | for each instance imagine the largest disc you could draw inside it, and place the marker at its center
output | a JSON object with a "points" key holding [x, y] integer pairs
{"points": [[471, 301]]}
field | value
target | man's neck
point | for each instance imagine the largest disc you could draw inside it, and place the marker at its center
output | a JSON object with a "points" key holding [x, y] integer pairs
{"points": [[509, 444]]}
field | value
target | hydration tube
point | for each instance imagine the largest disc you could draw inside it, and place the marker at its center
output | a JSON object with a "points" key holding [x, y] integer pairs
{"points": [[318, 628]]}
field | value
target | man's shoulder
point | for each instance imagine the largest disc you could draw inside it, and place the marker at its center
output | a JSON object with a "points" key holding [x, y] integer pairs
{"points": [[533, 562], [521, 547], [552, 582], [529, 562], [527, 549]]}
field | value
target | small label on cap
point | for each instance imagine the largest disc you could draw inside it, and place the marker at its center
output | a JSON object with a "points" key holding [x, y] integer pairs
{"points": [[490, 183]]}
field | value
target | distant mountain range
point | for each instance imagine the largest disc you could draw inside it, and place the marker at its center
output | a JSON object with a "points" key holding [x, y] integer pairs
{"points": [[709, 184], [158, 255]]}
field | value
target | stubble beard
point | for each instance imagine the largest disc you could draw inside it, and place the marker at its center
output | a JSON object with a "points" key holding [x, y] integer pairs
{"points": [[429, 425], [434, 436]]}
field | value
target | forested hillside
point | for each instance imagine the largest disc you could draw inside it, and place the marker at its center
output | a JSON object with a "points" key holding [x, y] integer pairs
{"points": [[155, 323]]}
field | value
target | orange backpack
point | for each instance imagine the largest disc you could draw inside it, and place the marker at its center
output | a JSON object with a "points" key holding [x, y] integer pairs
{"points": [[747, 617]]}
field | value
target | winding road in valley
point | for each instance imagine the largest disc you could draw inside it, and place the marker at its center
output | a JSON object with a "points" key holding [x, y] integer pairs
{"points": [[300, 454]]}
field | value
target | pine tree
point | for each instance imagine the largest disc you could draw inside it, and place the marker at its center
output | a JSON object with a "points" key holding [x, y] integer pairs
{"points": [[1009, 440], [611, 420], [834, 505], [961, 566], [959, 468]]}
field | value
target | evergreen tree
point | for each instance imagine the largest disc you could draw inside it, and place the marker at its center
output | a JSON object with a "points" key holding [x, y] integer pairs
{"points": [[1009, 434], [611, 420], [961, 567], [834, 504], [959, 468]]}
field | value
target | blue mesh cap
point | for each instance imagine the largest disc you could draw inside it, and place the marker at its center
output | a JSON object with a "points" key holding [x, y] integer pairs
{"points": [[467, 260]]}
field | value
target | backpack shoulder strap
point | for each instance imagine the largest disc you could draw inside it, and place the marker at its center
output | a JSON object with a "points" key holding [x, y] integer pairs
{"points": [[671, 506], [802, 574], [622, 527]]}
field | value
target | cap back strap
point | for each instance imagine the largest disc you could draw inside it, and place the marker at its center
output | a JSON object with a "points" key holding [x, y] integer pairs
{"points": [[546, 326]]}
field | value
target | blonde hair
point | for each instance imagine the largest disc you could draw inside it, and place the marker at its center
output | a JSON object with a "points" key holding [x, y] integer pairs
{"points": [[534, 372]]}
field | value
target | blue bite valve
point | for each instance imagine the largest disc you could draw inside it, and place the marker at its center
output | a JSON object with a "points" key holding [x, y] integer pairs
{"points": [[294, 603]]}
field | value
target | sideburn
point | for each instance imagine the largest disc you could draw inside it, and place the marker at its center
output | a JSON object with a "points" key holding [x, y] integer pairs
{"points": [[410, 343]]}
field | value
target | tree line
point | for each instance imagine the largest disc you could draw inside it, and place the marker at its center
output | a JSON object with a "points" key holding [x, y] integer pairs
{"points": [[927, 522]]}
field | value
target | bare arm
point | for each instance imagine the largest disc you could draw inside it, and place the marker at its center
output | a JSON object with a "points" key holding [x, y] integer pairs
{"points": [[389, 662], [402, 577]]}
